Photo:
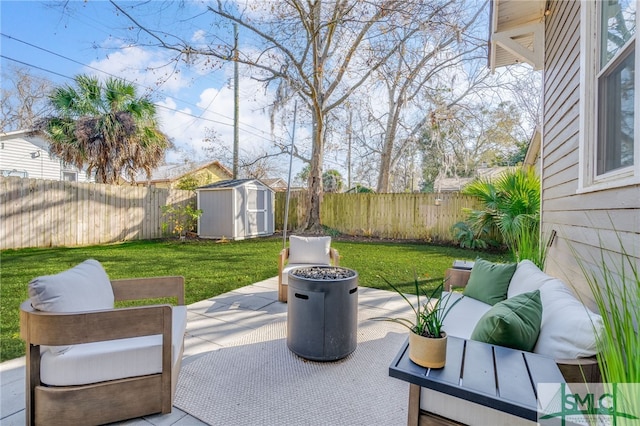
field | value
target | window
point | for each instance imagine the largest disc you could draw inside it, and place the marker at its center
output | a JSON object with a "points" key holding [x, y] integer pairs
{"points": [[610, 154], [69, 176], [14, 172]]}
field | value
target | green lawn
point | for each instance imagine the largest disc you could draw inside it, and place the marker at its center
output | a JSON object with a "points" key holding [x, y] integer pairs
{"points": [[211, 268]]}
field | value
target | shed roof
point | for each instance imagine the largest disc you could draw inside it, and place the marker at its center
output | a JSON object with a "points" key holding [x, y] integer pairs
{"points": [[232, 183]]}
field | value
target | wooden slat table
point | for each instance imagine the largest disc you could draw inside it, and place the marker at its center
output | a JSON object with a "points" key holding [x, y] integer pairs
{"points": [[492, 376]]}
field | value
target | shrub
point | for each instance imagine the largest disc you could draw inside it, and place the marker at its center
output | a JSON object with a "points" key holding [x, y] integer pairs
{"points": [[511, 208], [181, 219]]}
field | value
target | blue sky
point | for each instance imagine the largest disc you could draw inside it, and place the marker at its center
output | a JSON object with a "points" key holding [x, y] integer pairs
{"points": [[89, 38]]}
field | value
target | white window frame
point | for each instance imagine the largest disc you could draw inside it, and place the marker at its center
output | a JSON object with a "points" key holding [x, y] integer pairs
{"points": [[70, 172], [588, 180]]}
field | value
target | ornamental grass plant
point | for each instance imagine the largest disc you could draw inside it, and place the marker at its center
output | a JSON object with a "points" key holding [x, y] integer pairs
{"points": [[616, 292], [615, 285]]}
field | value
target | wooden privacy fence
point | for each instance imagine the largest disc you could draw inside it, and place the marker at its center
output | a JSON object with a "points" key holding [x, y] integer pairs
{"points": [[401, 216], [45, 213]]}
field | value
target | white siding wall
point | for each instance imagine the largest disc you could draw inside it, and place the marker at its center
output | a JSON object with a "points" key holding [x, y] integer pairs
{"points": [[586, 222], [22, 155]]}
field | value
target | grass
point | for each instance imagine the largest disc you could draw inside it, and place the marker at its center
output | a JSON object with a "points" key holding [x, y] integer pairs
{"points": [[212, 268]]}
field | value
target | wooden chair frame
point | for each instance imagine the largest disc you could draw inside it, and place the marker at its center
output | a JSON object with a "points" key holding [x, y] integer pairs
{"points": [[334, 259], [110, 401], [580, 370]]}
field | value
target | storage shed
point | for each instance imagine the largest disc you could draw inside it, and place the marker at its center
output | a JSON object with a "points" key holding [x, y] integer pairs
{"points": [[236, 209]]}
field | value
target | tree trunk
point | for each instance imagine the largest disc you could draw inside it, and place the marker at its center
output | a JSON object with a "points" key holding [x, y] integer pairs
{"points": [[387, 148], [313, 222]]}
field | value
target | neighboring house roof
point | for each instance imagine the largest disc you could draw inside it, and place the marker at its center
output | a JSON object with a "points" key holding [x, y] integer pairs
{"points": [[457, 183], [175, 171], [277, 184], [533, 150], [232, 183], [517, 33], [450, 184]]}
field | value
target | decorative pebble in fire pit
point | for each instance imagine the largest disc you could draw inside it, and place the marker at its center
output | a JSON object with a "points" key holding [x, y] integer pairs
{"points": [[324, 273]]}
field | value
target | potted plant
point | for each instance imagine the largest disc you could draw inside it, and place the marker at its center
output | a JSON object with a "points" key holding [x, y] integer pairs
{"points": [[427, 340]]}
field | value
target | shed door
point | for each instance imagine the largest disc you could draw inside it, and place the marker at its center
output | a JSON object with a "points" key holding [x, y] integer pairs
{"points": [[257, 217]]}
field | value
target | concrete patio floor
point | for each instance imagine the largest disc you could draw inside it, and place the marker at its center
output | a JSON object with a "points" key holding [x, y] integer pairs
{"points": [[212, 324]]}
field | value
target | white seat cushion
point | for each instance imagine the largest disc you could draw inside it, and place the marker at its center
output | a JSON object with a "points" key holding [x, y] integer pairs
{"points": [[463, 317], [115, 359], [291, 266]]}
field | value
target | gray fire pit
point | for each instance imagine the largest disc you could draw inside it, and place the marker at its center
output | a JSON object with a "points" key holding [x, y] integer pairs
{"points": [[322, 318]]}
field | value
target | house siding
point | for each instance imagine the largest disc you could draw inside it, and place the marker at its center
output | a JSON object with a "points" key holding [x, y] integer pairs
{"points": [[28, 156], [590, 226]]}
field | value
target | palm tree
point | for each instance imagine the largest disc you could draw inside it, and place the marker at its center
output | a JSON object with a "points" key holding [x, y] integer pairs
{"points": [[511, 207], [105, 128], [332, 181]]}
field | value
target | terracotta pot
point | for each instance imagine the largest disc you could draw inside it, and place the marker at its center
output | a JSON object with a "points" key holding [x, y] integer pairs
{"points": [[427, 351]]}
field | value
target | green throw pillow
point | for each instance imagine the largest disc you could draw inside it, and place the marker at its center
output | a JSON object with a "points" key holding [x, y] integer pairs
{"points": [[514, 323], [489, 281]]}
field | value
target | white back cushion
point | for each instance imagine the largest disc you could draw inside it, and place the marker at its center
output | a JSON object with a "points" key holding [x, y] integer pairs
{"points": [[568, 329], [85, 287], [311, 250], [528, 277]]}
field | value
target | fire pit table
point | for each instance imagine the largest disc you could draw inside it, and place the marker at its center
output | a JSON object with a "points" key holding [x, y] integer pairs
{"points": [[322, 317]]}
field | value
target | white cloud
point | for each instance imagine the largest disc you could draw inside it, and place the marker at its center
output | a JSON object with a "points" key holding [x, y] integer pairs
{"points": [[199, 35], [151, 69], [188, 126], [196, 99]]}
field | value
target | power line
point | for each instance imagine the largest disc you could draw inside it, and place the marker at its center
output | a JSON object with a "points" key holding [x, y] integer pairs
{"points": [[157, 105], [35, 66], [153, 90]]}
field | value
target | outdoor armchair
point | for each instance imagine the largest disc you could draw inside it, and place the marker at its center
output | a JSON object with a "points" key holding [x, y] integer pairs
{"points": [[90, 363], [303, 251]]}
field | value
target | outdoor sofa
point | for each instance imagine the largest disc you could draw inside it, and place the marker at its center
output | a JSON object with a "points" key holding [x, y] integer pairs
{"points": [[497, 304], [503, 297], [516, 306]]}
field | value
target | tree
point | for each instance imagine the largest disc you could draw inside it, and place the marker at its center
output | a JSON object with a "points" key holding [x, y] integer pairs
{"points": [[24, 99], [317, 51], [468, 134], [332, 181], [253, 164], [422, 66], [104, 127]]}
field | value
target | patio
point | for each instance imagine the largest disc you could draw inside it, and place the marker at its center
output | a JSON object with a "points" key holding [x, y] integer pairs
{"points": [[213, 324]]}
